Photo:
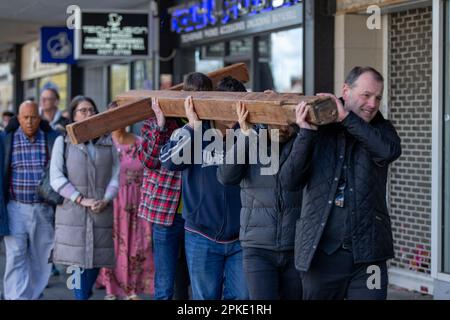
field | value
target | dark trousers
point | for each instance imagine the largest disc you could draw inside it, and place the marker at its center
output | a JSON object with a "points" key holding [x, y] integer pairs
{"points": [[271, 275], [337, 277]]}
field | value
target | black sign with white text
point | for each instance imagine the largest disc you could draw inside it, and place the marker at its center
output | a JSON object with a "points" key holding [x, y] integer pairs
{"points": [[112, 34]]}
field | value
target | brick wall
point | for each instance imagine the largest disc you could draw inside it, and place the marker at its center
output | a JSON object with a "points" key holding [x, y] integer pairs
{"points": [[410, 111]]}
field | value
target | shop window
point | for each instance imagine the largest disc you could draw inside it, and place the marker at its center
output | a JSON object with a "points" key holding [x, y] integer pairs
{"points": [[213, 50], [209, 59], [279, 64], [143, 75], [30, 90], [119, 79], [6, 87], [241, 47], [281, 61]]}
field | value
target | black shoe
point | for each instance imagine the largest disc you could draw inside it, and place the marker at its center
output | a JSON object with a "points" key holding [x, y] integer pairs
{"points": [[55, 271]]}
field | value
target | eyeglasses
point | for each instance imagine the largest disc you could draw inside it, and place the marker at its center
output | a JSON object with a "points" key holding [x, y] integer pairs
{"points": [[47, 99], [85, 111]]}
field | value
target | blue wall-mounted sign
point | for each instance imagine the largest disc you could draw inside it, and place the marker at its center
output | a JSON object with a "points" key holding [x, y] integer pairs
{"points": [[209, 13], [57, 45], [279, 15]]}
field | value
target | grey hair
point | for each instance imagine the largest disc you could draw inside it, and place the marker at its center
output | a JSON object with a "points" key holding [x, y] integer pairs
{"points": [[357, 71]]}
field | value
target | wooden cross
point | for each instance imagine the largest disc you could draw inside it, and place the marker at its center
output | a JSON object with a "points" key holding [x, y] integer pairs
{"points": [[268, 108]]}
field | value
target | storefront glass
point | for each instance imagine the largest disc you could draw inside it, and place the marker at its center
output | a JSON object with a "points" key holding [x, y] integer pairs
{"points": [[283, 52], [119, 80], [278, 65], [143, 75], [241, 47], [6, 87], [210, 57]]}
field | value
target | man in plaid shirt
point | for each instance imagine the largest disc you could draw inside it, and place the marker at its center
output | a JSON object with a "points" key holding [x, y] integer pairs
{"points": [[28, 146], [161, 205]]}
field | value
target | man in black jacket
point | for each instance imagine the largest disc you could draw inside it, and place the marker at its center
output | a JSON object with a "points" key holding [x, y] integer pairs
{"points": [[344, 237]]}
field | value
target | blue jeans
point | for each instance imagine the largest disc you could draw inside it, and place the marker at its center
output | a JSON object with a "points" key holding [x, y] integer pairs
{"points": [[271, 275], [167, 242], [215, 269], [87, 280]]}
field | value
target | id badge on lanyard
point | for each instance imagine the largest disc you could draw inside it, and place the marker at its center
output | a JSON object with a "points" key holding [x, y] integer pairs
{"points": [[339, 199]]}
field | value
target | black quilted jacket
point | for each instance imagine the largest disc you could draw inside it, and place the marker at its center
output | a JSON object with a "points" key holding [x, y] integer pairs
{"points": [[268, 211], [316, 161]]}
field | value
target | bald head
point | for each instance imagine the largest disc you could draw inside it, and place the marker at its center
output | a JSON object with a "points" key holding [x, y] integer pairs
{"points": [[28, 104], [28, 117]]}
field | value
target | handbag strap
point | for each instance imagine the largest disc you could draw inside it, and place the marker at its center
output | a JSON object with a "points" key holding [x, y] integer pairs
{"points": [[65, 158]]}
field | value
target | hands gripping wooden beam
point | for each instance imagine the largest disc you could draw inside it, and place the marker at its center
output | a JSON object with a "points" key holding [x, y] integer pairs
{"points": [[268, 108]]}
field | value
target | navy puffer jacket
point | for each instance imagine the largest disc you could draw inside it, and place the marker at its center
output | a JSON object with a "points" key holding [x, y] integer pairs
{"points": [[269, 212]]}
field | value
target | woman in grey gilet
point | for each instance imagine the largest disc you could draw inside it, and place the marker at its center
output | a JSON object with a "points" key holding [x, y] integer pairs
{"points": [[87, 176]]}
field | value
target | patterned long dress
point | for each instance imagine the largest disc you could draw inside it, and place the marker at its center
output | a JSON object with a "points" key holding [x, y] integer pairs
{"points": [[134, 271]]}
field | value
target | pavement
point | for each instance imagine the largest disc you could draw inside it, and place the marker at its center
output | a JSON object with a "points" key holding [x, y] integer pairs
{"points": [[57, 288]]}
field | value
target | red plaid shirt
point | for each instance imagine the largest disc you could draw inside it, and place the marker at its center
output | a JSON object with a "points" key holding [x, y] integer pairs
{"points": [[161, 188]]}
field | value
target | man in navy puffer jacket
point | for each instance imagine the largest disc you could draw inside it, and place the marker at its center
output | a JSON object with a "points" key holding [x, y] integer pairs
{"points": [[211, 211]]}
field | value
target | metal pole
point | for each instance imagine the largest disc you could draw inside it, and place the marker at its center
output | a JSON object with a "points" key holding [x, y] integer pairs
{"points": [[154, 41]]}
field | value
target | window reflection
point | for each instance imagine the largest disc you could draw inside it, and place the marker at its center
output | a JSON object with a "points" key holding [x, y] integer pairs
{"points": [[143, 75], [6, 87], [207, 63], [279, 59], [286, 50], [241, 47], [120, 79]]}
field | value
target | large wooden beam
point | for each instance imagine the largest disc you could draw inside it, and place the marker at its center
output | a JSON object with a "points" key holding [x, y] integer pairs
{"points": [[269, 108], [238, 71]]}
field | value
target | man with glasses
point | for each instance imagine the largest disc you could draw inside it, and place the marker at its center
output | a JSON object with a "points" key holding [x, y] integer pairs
{"points": [[49, 111]]}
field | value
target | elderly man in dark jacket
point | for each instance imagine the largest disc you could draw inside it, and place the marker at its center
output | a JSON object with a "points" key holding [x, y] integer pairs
{"points": [[344, 237], [28, 144], [268, 214]]}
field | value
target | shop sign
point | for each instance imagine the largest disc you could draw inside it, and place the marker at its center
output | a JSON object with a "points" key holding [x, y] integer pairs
{"points": [[32, 67], [282, 17], [112, 34], [207, 13], [57, 45]]}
